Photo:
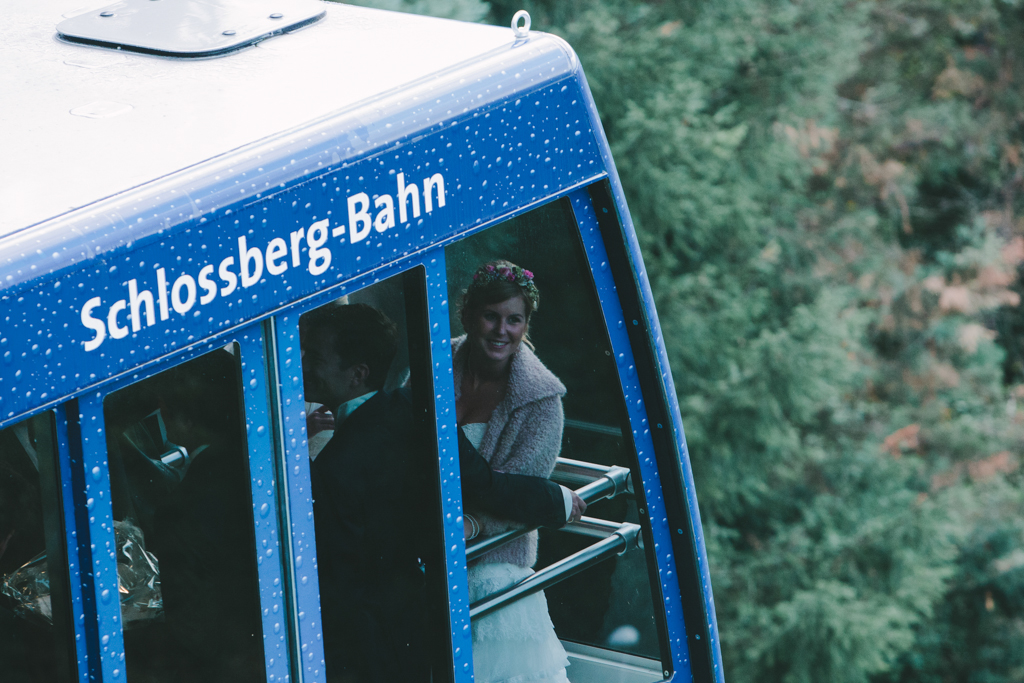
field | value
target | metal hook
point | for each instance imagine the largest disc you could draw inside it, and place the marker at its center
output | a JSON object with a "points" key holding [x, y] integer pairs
{"points": [[524, 30]]}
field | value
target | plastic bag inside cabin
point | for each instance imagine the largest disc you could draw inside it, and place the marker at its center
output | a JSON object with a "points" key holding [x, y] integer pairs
{"points": [[138, 581], [162, 465], [138, 575], [28, 587]]}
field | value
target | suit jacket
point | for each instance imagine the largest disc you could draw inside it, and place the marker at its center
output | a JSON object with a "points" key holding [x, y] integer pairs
{"points": [[531, 501], [374, 489], [370, 498]]}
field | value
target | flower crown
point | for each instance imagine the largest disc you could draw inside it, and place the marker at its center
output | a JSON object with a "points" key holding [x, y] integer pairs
{"points": [[510, 273]]}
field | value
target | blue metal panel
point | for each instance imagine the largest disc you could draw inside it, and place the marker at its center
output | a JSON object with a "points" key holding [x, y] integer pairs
{"points": [[101, 536], [304, 582], [265, 497], [505, 154], [515, 153], [448, 449], [669, 390], [626, 365], [77, 545]]}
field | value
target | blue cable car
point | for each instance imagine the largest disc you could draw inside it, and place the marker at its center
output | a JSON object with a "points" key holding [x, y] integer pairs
{"points": [[190, 191]]}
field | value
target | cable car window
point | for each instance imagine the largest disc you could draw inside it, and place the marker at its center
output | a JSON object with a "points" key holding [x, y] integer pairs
{"points": [[35, 624], [535, 380], [179, 480], [366, 376]]}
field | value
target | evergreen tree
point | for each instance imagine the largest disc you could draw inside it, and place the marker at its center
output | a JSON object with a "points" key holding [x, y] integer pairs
{"points": [[826, 194]]}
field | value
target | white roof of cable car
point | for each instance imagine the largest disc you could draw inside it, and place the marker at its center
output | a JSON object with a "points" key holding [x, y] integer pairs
{"points": [[183, 112]]}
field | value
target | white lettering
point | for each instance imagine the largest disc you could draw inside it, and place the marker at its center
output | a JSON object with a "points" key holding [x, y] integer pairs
{"points": [[404, 193], [93, 324], [135, 301], [435, 181], [386, 217], [188, 283], [319, 256], [142, 305], [357, 216], [207, 284], [161, 293], [116, 331], [297, 236], [246, 257], [228, 276], [277, 249]]}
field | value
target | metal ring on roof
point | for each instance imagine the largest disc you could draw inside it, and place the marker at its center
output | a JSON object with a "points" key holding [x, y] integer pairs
{"points": [[524, 30]]}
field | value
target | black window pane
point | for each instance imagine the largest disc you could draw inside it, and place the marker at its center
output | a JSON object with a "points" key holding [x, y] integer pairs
{"points": [[183, 520], [36, 642], [374, 471]]}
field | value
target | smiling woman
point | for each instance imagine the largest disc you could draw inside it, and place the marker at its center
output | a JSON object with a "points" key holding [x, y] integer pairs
{"points": [[498, 329], [610, 606], [509, 406], [496, 310]]}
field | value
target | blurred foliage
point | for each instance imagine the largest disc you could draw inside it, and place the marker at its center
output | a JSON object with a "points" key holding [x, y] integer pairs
{"points": [[828, 195]]}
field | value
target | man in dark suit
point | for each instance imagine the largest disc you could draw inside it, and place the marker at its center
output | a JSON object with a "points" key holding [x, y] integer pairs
{"points": [[372, 493]]}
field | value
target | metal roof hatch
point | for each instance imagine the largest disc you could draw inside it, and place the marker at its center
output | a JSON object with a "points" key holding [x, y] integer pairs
{"points": [[188, 28]]}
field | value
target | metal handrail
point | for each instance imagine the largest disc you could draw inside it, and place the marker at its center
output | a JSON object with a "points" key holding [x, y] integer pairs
{"points": [[613, 481], [576, 473], [596, 528], [593, 427], [625, 537]]}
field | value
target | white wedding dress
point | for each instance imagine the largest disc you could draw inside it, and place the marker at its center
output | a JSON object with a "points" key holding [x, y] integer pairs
{"points": [[516, 644]]}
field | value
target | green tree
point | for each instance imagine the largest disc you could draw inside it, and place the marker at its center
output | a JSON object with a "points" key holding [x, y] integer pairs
{"points": [[827, 266], [826, 194]]}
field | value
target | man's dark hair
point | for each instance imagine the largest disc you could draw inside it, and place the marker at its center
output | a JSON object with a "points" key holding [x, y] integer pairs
{"points": [[359, 333]]}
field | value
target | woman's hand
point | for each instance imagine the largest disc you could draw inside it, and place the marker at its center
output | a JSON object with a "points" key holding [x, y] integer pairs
{"points": [[320, 420]]}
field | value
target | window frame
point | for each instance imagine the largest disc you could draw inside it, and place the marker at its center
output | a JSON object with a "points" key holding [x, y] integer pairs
{"points": [[95, 497], [61, 492], [693, 630], [289, 411], [651, 501]]}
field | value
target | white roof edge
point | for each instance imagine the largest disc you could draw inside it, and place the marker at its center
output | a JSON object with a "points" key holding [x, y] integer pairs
{"points": [[83, 123], [69, 238]]}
